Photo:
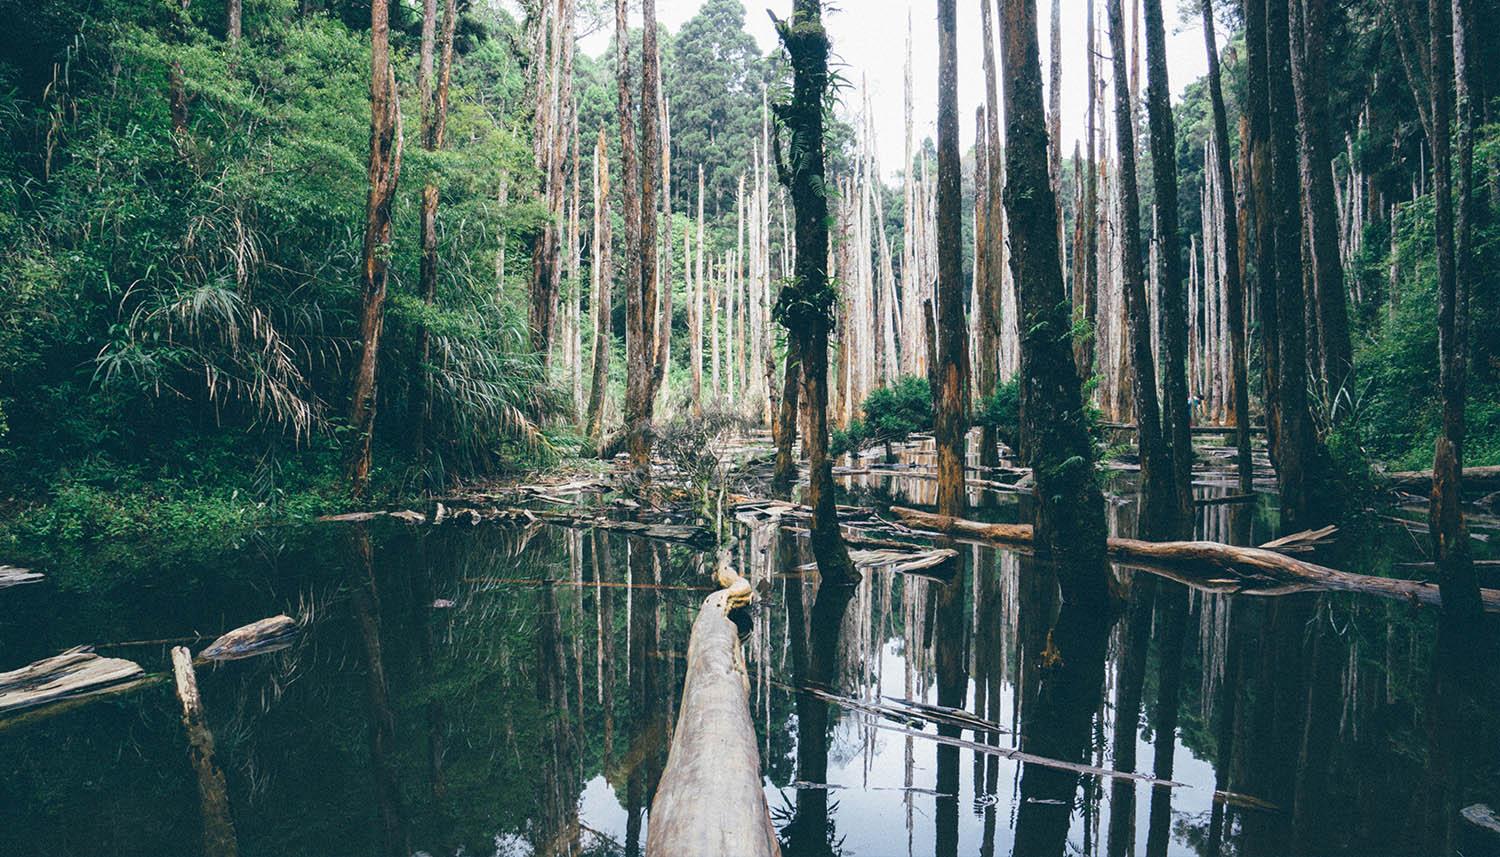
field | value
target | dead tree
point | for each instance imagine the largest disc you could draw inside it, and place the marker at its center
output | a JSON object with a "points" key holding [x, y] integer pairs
{"points": [[1234, 286], [1173, 309], [1055, 439], [1309, 80], [434, 122], [950, 394], [384, 170], [603, 276], [806, 305], [1158, 494], [992, 286]]}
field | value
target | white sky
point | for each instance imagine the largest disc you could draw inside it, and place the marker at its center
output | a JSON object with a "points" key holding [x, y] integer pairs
{"points": [[869, 39]]}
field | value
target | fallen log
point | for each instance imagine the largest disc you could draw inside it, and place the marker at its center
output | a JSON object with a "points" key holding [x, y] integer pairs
{"points": [[257, 638], [1258, 565], [13, 576], [75, 673], [1474, 478], [218, 830], [709, 799]]}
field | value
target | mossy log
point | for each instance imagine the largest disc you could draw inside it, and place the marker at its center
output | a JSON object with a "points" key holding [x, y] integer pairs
{"points": [[1474, 479], [1258, 566]]}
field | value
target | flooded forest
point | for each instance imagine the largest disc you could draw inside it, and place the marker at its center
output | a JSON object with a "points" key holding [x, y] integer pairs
{"points": [[672, 428]]}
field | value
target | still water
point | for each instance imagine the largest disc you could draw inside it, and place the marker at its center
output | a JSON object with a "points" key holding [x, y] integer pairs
{"points": [[531, 679]]}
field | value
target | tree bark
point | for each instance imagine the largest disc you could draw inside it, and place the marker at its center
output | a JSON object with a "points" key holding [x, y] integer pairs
{"points": [[1173, 311], [1234, 286], [1451, 25], [991, 288], [234, 28], [1158, 503], [1297, 465], [1258, 109], [384, 170], [1056, 444], [807, 303], [1309, 81], [950, 394], [434, 128], [1088, 307], [604, 276]]}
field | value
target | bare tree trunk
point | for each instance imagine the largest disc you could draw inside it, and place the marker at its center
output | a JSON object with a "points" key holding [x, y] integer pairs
{"points": [[1233, 271], [604, 276], [806, 305], [1455, 275], [1056, 444], [234, 13], [695, 309], [992, 286], [1173, 309], [385, 169], [1158, 503], [1309, 80], [950, 394], [1297, 459], [434, 128]]}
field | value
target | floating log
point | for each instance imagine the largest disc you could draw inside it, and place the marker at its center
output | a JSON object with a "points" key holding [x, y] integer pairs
{"points": [[218, 829], [13, 576], [1257, 564], [257, 638], [709, 799], [406, 515], [1481, 815], [1227, 500], [72, 674]]}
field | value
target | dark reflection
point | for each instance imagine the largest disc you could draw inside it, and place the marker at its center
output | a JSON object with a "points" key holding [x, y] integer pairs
{"points": [[365, 598], [950, 632], [1171, 629], [1057, 721], [813, 638], [491, 689], [1130, 679]]}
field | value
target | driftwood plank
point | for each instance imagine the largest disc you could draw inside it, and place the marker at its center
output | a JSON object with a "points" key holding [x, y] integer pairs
{"points": [[12, 576], [76, 672], [257, 638]]}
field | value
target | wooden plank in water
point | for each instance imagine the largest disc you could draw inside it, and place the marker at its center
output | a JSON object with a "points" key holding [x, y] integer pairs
{"points": [[73, 673], [12, 576], [257, 638]]}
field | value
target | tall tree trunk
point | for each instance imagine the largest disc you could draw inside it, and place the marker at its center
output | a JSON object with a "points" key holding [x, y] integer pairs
{"points": [[1234, 285], [1158, 504], [1455, 275], [1297, 465], [785, 430], [1088, 307], [1257, 85], [993, 285], [1056, 444], [1309, 80], [384, 170], [806, 304], [604, 276], [234, 28], [950, 394], [434, 128], [640, 238], [1173, 311], [695, 309]]}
